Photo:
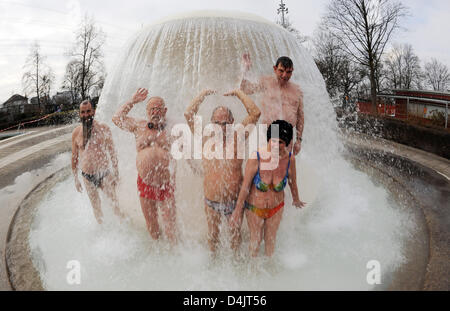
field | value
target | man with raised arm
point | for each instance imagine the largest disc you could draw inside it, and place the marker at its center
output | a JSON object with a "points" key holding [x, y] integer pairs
{"points": [[281, 99], [222, 177], [154, 163], [91, 144]]}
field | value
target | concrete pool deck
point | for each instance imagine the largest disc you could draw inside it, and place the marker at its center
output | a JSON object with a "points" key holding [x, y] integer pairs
{"points": [[26, 152], [34, 148], [428, 181]]}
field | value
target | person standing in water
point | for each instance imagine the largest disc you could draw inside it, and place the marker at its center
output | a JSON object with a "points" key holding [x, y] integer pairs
{"points": [[222, 178], [91, 144], [154, 163], [281, 99], [262, 191]]}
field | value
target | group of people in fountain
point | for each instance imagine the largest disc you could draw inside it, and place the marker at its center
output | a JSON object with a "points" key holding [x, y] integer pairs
{"points": [[259, 191]]}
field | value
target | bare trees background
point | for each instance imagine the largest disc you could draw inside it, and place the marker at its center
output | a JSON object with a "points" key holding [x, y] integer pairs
{"points": [[84, 75], [402, 68], [437, 75], [38, 77], [85, 71], [341, 75], [363, 28], [350, 50]]}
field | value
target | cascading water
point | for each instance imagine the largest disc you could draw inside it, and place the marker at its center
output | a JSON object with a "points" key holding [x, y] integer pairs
{"points": [[348, 220]]}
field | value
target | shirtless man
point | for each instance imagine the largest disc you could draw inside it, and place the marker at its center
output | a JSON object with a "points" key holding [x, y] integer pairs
{"points": [[156, 182], [281, 100], [222, 177], [91, 144]]}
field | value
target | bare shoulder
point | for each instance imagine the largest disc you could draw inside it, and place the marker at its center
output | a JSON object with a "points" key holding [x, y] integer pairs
{"points": [[104, 127], [264, 80], [76, 131], [296, 88], [252, 164]]}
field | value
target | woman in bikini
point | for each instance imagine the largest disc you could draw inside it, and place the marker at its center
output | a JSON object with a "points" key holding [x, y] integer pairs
{"points": [[262, 193]]}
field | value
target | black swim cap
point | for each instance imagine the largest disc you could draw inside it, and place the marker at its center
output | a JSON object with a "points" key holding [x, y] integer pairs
{"points": [[285, 131]]}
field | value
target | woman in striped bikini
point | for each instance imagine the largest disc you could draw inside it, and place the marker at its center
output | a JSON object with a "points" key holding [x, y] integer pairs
{"points": [[262, 193]]}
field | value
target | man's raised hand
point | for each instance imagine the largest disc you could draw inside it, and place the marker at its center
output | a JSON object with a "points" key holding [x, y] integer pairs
{"points": [[246, 62], [140, 95]]}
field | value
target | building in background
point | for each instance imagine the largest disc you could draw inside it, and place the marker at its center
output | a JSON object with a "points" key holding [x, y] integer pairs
{"points": [[424, 106], [14, 107], [421, 104]]}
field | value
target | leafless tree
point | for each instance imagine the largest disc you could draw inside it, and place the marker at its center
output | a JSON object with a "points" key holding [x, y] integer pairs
{"points": [[38, 77], [437, 75], [72, 80], [340, 73], [86, 62], [47, 81], [363, 28], [402, 68]]}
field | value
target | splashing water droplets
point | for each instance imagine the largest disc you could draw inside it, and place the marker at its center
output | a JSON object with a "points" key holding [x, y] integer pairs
{"points": [[318, 247]]}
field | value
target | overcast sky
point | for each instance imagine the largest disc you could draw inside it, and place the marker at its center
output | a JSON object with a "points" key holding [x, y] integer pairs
{"points": [[52, 23]]}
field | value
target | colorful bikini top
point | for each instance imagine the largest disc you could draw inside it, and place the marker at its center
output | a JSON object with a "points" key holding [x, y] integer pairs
{"points": [[263, 187]]}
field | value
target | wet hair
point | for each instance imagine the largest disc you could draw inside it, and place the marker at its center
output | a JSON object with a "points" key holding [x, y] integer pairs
{"points": [[230, 114], [285, 61], [87, 101], [285, 131]]}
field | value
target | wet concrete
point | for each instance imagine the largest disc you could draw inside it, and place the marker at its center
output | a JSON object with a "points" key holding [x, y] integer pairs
{"points": [[427, 182], [416, 179], [36, 157]]}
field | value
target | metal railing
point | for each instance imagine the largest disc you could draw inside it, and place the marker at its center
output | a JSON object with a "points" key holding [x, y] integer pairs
{"points": [[421, 99]]}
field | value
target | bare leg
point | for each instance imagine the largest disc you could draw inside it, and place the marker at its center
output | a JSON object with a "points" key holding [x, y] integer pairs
{"points": [[235, 234], [255, 225], [270, 232], [213, 219], [95, 200], [111, 191], [168, 210], [151, 216]]}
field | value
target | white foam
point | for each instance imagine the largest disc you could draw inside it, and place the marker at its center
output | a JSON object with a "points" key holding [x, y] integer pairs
{"points": [[347, 222]]}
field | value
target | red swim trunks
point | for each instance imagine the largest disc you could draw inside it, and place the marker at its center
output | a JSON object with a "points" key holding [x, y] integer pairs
{"points": [[160, 193]]}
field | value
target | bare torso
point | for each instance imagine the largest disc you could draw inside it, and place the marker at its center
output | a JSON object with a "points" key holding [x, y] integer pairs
{"points": [[153, 155], [93, 158], [269, 199], [279, 103], [222, 178]]}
